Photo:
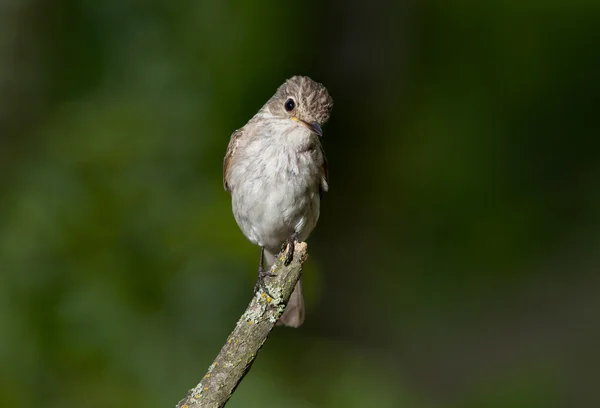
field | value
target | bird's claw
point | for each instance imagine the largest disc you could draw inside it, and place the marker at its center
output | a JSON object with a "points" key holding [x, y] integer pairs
{"points": [[288, 247], [260, 282]]}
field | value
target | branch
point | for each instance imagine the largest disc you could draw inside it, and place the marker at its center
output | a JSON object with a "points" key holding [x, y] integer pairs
{"points": [[250, 333]]}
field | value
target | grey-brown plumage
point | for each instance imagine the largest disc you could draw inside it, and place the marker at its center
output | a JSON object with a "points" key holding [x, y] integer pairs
{"points": [[276, 171]]}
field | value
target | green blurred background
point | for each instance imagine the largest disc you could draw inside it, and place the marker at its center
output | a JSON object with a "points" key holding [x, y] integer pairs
{"points": [[456, 260]]}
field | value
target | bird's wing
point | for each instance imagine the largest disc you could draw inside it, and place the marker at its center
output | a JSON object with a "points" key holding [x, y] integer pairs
{"points": [[324, 186], [233, 143]]}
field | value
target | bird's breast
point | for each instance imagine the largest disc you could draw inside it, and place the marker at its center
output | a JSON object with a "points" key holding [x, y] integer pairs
{"points": [[276, 190]]}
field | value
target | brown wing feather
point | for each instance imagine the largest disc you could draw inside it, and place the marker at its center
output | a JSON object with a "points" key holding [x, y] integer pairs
{"points": [[324, 186], [233, 142]]}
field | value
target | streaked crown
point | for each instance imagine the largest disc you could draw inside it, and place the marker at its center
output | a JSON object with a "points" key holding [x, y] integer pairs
{"points": [[303, 98]]}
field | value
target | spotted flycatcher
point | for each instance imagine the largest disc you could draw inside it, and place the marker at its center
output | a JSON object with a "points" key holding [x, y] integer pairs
{"points": [[276, 172]]}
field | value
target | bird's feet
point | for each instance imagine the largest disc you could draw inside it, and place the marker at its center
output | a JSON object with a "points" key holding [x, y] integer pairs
{"points": [[288, 247], [260, 282]]}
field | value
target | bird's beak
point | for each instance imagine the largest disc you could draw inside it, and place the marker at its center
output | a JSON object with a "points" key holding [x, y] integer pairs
{"points": [[314, 126]]}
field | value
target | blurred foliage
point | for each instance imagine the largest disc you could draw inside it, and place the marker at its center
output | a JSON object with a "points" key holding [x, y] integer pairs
{"points": [[455, 262]]}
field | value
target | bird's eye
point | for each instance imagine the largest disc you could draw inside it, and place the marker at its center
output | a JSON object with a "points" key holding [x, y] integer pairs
{"points": [[289, 105]]}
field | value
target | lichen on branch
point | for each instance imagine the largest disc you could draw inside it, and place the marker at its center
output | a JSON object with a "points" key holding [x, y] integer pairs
{"points": [[250, 333]]}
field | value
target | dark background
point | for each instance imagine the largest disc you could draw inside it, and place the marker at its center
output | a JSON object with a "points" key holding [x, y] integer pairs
{"points": [[456, 260]]}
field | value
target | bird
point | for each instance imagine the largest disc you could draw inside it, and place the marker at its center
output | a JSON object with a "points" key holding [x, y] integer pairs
{"points": [[276, 172]]}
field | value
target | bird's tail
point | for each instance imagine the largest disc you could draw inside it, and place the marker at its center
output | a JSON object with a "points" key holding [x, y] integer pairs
{"points": [[293, 315]]}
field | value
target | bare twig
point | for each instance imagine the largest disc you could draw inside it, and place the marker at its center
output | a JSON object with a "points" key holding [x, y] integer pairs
{"points": [[250, 333]]}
